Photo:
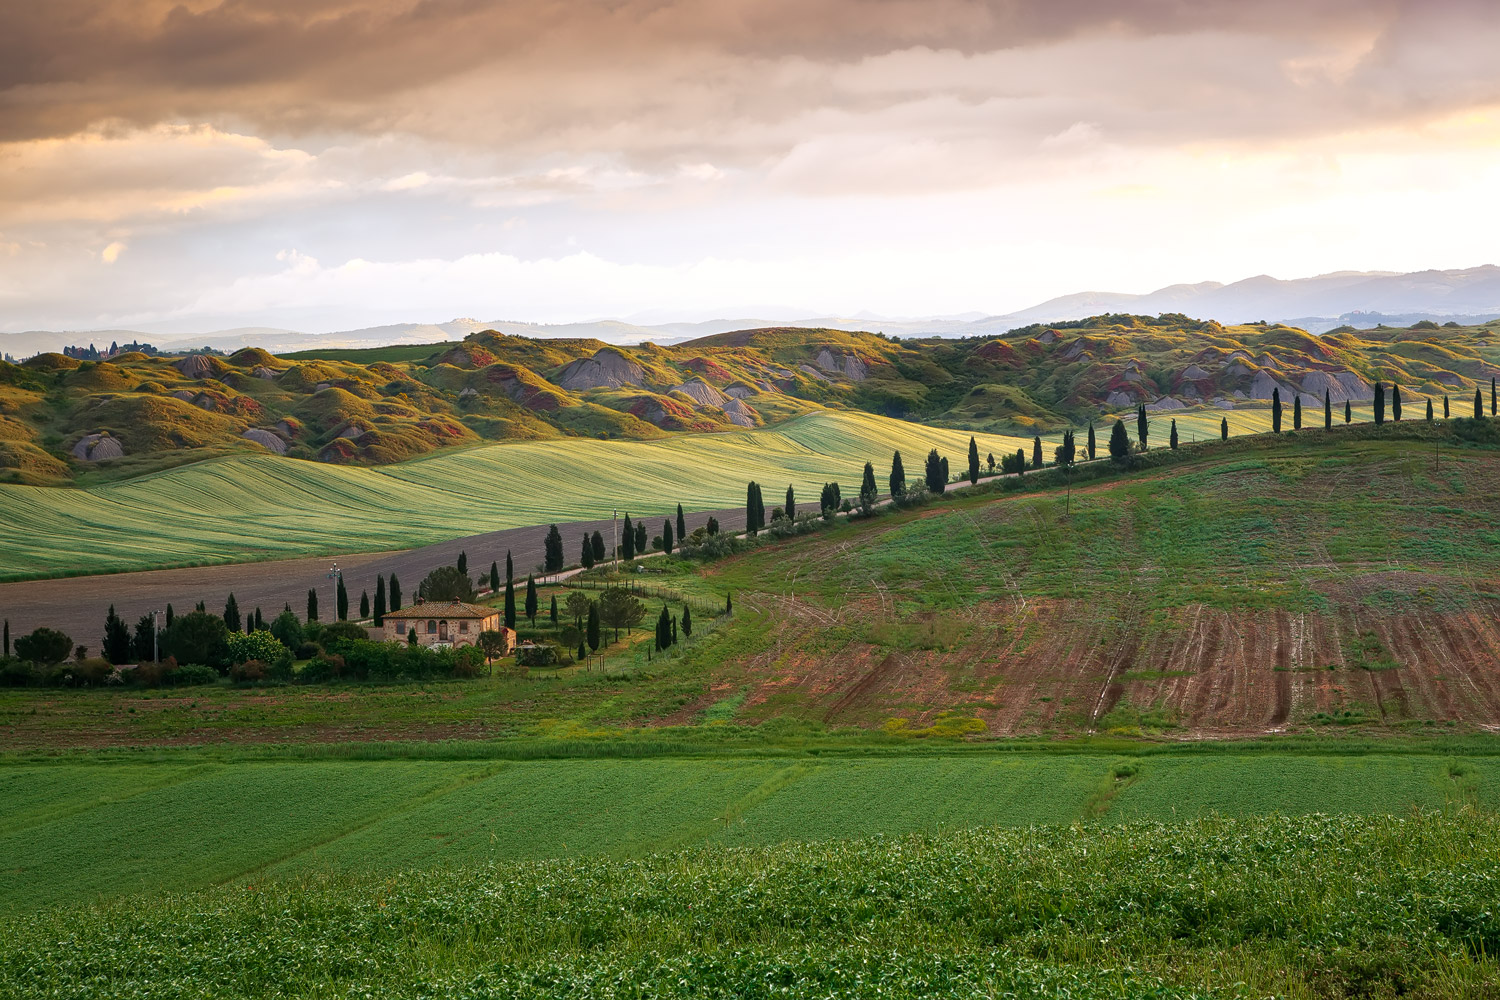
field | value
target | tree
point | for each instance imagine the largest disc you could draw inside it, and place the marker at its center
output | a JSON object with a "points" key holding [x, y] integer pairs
{"points": [[898, 477], [687, 621], [1064, 454], [312, 604], [1478, 405], [463, 563], [868, 493], [1327, 410], [729, 603], [143, 646], [599, 551], [577, 604], [341, 598], [288, 629], [1119, 442], [1380, 403], [260, 621], [582, 652], [1445, 407], [492, 643], [990, 462], [1173, 439], [1223, 428], [712, 527], [593, 626], [1348, 412], [364, 604], [1396, 403], [936, 481], [379, 602], [411, 636], [640, 531], [232, 614], [828, 501], [170, 615], [1036, 452], [531, 603], [1276, 411], [586, 555], [1429, 411], [510, 604], [116, 646], [199, 638], [1492, 395], [682, 521], [790, 507], [629, 550], [495, 577], [7, 638], [1142, 429], [1296, 411], [663, 629], [666, 536], [553, 561], [47, 646], [1091, 441], [395, 593], [446, 583], [554, 611], [973, 462]]}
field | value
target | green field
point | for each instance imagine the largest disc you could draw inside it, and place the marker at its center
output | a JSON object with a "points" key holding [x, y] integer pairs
{"points": [[241, 509]]}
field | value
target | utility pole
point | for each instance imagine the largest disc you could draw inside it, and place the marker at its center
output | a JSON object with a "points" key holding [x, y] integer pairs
{"points": [[155, 636], [335, 574], [614, 536]]}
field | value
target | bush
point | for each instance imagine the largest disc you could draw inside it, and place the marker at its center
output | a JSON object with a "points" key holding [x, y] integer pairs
{"points": [[190, 675], [322, 670], [15, 672], [288, 630], [540, 655], [260, 645], [308, 650], [81, 673], [199, 637], [336, 635]]}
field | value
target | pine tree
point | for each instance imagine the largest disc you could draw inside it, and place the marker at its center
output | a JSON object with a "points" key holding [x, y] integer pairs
{"points": [[973, 462], [1119, 441], [116, 646], [232, 614], [554, 611], [312, 604], [1091, 440], [510, 603], [395, 593], [1223, 428], [593, 627], [1296, 411], [1276, 411], [586, 554], [364, 604], [531, 600], [379, 602], [1396, 402], [1348, 412], [1142, 429], [1173, 439], [553, 561], [868, 491], [790, 507], [682, 523], [1429, 411], [1327, 410], [687, 621], [1380, 403], [1036, 452], [898, 477], [463, 563], [666, 537], [1478, 404], [341, 599]]}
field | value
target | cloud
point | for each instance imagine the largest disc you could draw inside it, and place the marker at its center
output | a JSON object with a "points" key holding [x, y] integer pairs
{"points": [[112, 252]]}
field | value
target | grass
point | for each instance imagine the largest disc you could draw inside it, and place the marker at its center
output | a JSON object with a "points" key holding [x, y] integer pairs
{"points": [[251, 508], [1307, 907]]}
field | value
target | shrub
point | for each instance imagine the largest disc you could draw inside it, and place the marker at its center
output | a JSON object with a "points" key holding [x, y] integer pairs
{"points": [[260, 645], [15, 672], [308, 650], [190, 675], [540, 655], [338, 634], [199, 637]]}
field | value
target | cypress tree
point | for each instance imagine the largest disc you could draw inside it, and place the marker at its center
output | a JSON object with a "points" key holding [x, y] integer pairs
{"points": [[1380, 403], [629, 550], [341, 599], [1020, 461], [1327, 410], [592, 631], [232, 614], [663, 629], [990, 461], [666, 537], [674, 630], [116, 646], [395, 593], [1276, 411], [582, 652], [1492, 396], [379, 601], [729, 604], [1395, 402], [463, 563], [510, 603], [598, 546], [411, 636], [974, 462], [1036, 452], [1091, 440], [687, 621], [682, 521], [1478, 404], [530, 600], [586, 555], [170, 616], [312, 604], [1296, 411], [750, 525], [640, 531], [791, 503], [868, 492], [898, 477], [510, 567], [1429, 411], [943, 472], [1445, 407], [1348, 411], [1142, 429], [7, 638], [495, 577], [553, 546], [554, 611], [1119, 441], [1173, 439], [260, 621], [364, 604], [1223, 428], [201, 607]]}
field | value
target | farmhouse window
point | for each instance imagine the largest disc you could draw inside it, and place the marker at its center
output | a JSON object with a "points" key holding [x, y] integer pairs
{"points": [[431, 625], [463, 627]]}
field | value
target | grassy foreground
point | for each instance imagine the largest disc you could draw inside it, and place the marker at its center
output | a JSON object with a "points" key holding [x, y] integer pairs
{"points": [[1310, 907]]}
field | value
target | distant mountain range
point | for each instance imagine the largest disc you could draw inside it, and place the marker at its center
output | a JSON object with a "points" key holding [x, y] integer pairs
{"points": [[1363, 299]]}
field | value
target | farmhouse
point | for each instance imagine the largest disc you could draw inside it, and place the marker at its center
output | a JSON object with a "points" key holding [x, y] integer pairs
{"points": [[446, 623]]}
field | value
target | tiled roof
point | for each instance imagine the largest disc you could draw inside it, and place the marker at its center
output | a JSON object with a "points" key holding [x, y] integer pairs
{"points": [[444, 609]]}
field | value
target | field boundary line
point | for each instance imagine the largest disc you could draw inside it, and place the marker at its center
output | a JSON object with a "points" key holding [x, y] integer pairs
{"points": [[187, 772]]}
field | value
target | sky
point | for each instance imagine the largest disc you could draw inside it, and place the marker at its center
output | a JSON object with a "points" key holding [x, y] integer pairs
{"points": [[330, 164]]}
